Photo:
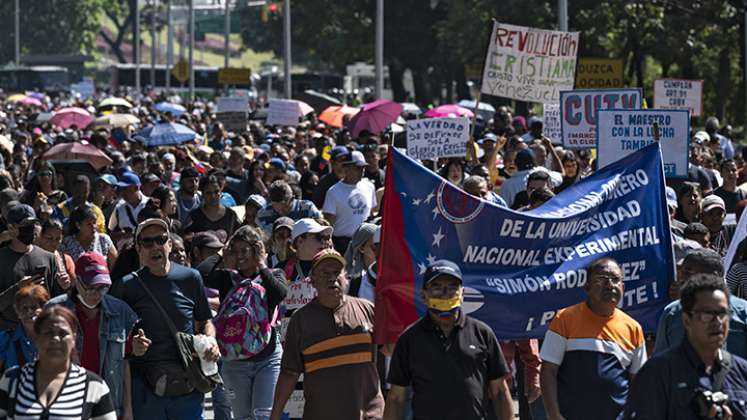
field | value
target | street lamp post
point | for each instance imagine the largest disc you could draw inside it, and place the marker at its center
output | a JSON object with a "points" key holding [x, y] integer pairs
{"points": [[563, 15], [153, 43], [169, 45], [18, 34], [227, 34], [136, 47], [191, 49], [287, 48], [379, 48]]}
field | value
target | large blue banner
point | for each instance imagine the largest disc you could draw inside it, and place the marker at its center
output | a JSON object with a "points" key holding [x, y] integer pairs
{"points": [[520, 268]]}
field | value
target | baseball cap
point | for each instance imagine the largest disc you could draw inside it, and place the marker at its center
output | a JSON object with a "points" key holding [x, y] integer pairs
{"points": [[683, 248], [108, 178], [284, 221], [713, 201], [169, 157], [128, 179], [442, 268], [21, 214], [189, 172], [327, 254], [338, 152], [304, 226], [488, 137], [524, 159], [702, 137], [277, 163], [206, 239], [534, 121], [356, 159], [672, 198], [91, 269], [257, 200], [151, 222]]}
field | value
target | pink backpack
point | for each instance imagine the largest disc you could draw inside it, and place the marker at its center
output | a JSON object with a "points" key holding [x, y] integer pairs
{"points": [[243, 324]]}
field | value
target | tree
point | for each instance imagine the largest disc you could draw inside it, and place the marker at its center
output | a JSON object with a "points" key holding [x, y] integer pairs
{"points": [[50, 27], [122, 14]]}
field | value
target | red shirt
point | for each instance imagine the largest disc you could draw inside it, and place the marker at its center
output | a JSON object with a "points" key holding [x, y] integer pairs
{"points": [[89, 357]]}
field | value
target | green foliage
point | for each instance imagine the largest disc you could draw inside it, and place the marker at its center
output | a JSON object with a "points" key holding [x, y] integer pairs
{"points": [[50, 27]]}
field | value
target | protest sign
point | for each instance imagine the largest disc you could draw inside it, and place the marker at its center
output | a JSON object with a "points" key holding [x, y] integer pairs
{"points": [[433, 138], [283, 112], [599, 73], [529, 64], [232, 112], [551, 123], [622, 132], [578, 112], [679, 94], [519, 268]]}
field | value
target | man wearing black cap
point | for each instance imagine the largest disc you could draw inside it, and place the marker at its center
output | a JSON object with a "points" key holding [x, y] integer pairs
{"points": [[451, 360], [23, 263]]}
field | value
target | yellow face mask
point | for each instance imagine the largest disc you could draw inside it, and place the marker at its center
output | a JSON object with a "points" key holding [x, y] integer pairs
{"points": [[445, 305]]}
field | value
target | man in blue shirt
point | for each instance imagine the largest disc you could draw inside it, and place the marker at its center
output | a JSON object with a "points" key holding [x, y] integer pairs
{"points": [[666, 386], [671, 329]]}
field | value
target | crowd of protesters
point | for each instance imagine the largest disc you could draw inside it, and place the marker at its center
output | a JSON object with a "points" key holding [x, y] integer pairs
{"points": [[278, 228]]}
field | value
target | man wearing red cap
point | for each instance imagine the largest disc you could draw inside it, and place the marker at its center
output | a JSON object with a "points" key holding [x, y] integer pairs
{"points": [[330, 342], [101, 315]]}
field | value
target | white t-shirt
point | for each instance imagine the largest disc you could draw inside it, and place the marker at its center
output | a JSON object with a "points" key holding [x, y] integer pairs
{"points": [[351, 205]]}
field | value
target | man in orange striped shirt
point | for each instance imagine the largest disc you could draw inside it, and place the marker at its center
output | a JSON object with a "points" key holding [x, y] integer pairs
{"points": [[330, 342]]}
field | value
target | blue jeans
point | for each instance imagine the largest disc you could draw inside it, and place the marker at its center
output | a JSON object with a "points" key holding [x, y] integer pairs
{"points": [[147, 406], [250, 384], [221, 405]]}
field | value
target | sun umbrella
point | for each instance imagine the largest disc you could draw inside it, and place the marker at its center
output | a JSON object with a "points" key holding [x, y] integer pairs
{"points": [[78, 151], [164, 134], [112, 101], [16, 98], [334, 115], [482, 106], [317, 100], [411, 108], [30, 101], [449, 111], [375, 117], [175, 109], [116, 120], [38, 95], [43, 117], [68, 117]]}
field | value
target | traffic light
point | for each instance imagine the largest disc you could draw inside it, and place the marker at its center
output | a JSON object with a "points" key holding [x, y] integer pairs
{"points": [[268, 10]]}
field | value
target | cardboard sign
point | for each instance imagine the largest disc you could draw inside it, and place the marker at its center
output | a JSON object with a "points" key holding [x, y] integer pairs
{"points": [[231, 104], [433, 138], [283, 112], [234, 76], [578, 112], [679, 94], [233, 121], [622, 132], [551, 123], [599, 73], [529, 64]]}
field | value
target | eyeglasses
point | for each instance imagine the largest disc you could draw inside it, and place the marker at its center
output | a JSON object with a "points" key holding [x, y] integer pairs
{"points": [[157, 240], [94, 289], [605, 279], [707, 317]]}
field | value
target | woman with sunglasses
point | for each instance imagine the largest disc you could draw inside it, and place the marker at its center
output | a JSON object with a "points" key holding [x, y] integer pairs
{"points": [[53, 386], [105, 334], [43, 182]]}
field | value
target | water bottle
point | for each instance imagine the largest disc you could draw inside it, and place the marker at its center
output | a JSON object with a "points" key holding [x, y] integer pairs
{"points": [[202, 343]]}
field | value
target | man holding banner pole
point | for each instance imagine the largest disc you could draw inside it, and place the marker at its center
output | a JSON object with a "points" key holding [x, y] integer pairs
{"points": [[592, 351]]}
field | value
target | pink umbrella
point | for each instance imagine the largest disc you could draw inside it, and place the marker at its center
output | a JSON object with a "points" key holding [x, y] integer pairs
{"points": [[78, 151], [68, 117], [449, 111], [375, 117], [31, 101]]}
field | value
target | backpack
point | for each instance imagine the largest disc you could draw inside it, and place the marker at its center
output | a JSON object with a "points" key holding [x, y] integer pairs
{"points": [[243, 325]]}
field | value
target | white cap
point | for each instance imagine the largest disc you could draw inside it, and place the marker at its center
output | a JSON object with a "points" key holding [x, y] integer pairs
{"points": [[151, 222], [304, 226]]}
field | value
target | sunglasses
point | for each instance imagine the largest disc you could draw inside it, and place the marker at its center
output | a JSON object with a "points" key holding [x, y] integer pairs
{"points": [[157, 240]]}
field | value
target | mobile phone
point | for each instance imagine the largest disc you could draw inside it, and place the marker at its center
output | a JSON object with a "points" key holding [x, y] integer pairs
{"points": [[137, 326]]}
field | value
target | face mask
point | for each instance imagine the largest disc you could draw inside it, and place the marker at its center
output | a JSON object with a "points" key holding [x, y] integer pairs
{"points": [[445, 308], [83, 302], [26, 234]]}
